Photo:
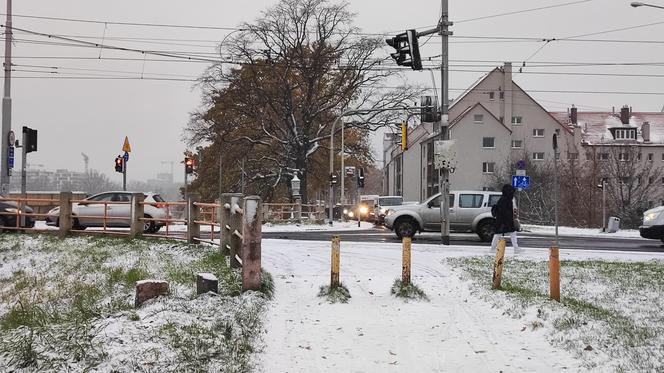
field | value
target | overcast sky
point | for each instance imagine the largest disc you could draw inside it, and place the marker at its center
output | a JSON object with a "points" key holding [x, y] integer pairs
{"points": [[94, 115]]}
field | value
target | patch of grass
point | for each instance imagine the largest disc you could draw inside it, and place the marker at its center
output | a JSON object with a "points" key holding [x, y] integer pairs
{"points": [[407, 291], [335, 294], [128, 278], [267, 284]]}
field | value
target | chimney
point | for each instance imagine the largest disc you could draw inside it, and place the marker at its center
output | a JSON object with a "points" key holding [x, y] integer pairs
{"points": [[645, 131], [573, 115], [624, 114]]}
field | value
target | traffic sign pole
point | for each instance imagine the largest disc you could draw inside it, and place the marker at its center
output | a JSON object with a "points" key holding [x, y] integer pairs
{"points": [[124, 176]]}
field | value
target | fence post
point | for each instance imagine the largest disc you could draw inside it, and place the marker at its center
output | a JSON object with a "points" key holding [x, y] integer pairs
{"points": [[224, 222], [137, 209], [65, 219], [405, 259], [498, 264], [251, 244], [193, 229], [235, 222], [554, 273], [298, 209], [334, 273]]}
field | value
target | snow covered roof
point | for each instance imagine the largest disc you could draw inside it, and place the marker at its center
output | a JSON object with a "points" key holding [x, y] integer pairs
{"points": [[596, 126]]}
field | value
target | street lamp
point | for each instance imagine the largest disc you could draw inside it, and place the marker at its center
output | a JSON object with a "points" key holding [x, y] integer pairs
{"points": [[637, 4], [295, 187], [603, 187]]}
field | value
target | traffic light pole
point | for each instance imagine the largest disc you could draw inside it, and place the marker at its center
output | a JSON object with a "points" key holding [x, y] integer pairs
{"points": [[444, 175], [124, 175], [5, 172]]}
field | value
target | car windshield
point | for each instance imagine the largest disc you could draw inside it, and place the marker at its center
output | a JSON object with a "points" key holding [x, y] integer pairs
{"points": [[391, 201], [157, 198]]}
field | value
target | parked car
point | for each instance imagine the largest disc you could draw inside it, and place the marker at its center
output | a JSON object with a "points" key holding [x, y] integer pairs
{"points": [[90, 211], [9, 209], [653, 224], [470, 211], [385, 203]]}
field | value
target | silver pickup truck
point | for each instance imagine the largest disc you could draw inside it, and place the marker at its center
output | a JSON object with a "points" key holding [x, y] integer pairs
{"points": [[470, 211]]}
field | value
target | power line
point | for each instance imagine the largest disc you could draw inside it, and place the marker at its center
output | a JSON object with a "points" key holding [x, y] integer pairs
{"points": [[523, 11]]}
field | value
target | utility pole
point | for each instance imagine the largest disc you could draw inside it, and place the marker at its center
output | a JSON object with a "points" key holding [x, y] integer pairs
{"points": [[5, 171], [444, 174]]}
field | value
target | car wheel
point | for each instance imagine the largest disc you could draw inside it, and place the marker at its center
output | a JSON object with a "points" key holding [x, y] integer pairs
{"points": [[77, 225], [405, 227], [148, 225], [486, 229]]}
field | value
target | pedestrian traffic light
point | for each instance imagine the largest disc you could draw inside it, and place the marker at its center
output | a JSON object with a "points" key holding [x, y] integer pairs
{"points": [[334, 179], [407, 49], [188, 165], [360, 178], [119, 164], [404, 136]]}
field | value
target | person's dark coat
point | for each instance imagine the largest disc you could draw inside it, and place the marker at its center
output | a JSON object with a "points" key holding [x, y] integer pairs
{"points": [[505, 211]]}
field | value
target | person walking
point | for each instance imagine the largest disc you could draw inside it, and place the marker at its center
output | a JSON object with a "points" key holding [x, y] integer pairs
{"points": [[503, 211]]}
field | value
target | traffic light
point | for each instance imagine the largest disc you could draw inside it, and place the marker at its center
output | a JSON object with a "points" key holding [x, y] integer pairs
{"points": [[334, 179], [119, 164], [429, 112], [188, 165], [404, 136], [360, 178], [30, 139], [407, 49]]}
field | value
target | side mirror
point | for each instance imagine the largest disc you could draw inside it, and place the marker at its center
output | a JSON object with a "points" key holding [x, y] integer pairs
{"points": [[429, 204]]}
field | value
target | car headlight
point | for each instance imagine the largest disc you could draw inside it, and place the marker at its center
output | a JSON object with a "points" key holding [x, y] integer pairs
{"points": [[383, 211], [650, 216], [350, 214], [364, 210], [13, 210], [345, 211]]}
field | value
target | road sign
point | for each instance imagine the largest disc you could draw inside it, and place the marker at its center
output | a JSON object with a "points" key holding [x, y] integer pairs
{"points": [[10, 157], [521, 182], [520, 172], [126, 157], [521, 164], [126, 147], [445, 154], [350, 171]]}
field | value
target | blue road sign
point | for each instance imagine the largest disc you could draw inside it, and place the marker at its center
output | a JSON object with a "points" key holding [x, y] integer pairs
{"points": [[521, 164], [10, 157], [521, 182], [126, 157]]}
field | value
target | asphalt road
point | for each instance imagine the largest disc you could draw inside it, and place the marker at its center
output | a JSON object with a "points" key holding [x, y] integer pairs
{"points": [[525, 240]]}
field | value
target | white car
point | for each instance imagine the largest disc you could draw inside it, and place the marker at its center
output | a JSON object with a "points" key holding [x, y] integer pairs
{"points": [[470, 211], [90, 211], [653, 224]]}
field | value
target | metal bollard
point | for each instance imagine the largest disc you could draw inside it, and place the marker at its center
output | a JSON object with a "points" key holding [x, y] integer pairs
{"points": [[334, 273], [405, 260]]}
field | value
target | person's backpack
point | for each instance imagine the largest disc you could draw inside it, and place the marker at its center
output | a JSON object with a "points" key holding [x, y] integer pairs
{"points": [[494, 210]]}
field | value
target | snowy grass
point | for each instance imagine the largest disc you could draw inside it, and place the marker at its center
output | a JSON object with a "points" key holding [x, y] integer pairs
{"points": [[335, 294], [67, 305], [407, 291], [610, 313]]}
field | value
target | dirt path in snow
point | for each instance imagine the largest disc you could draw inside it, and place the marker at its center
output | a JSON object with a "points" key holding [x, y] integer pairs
{"points": [[376, 332]]}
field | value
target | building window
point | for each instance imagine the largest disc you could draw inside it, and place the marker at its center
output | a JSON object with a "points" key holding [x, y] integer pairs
{"points": [[625, 134], [638, 156], [478, 118], [538, 132], [517, 120], [397, 175], [491, 96], [517, 144], [623, 157], [603, 156], [651, 180], [663, 181], [489, 142], [538, 156], [572, 156], [501, 95], [651, 157], [488, 167]]}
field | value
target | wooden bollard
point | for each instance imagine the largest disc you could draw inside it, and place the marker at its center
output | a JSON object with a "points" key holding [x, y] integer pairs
{"points": [[405, 260], [334, 275], [498, 264], [554, 273], [251, 244]]}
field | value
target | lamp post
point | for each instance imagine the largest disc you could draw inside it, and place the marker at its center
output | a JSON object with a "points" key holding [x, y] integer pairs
{"points": [[637, 4], [603, 187]]}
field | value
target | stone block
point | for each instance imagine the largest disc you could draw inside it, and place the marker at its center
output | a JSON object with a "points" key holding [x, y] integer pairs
{"points": [[149, 289], [206, 282]]}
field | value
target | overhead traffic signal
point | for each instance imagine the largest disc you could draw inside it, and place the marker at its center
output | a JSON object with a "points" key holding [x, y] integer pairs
{"points": [[360, 178], [334, 179], [119, 164], [188, 165], [407, 49], [404, 136]]}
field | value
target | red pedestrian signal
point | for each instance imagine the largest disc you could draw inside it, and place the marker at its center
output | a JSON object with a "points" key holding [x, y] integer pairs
{"points": [[119, 164], [188, 165]]}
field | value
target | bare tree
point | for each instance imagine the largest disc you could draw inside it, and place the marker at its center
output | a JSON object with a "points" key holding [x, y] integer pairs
{"points": [[295, 69]]}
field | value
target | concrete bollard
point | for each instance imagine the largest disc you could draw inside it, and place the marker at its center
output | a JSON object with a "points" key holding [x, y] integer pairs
{"points": [[498, 264], [65, 219], [251, 244], [193, 229], [149, 289], [137, 209], [336, 253], [206, 282], [235, 224], [554, 273], [405, 259]]}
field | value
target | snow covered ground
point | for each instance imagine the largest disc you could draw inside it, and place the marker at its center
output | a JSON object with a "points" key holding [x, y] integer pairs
{"points": [[375, 332], [579, 232]]}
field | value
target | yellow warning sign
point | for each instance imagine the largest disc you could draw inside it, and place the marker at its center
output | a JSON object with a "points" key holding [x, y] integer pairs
{"points": [[126, 147]]}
